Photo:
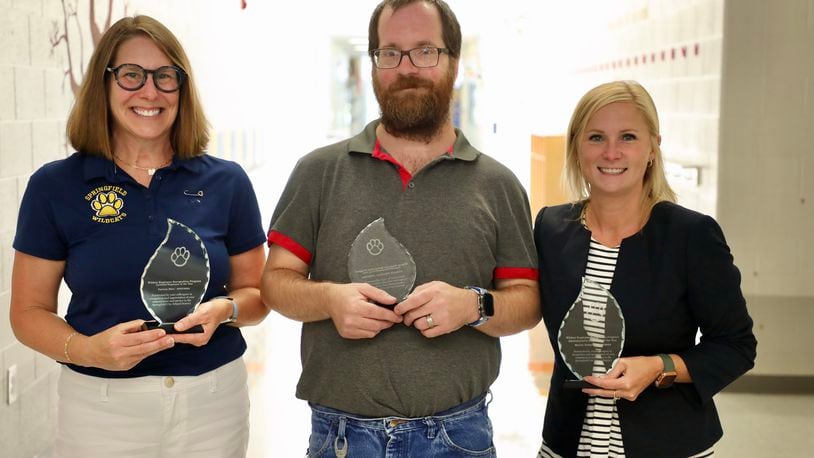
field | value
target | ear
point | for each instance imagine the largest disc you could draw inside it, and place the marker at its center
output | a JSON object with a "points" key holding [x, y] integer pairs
{"points": [[658, 139]]}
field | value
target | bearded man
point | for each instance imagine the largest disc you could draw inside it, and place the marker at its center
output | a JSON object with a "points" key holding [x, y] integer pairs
{"points": [[406, 253]]}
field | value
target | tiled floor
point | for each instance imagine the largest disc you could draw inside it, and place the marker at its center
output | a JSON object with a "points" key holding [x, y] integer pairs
{"points": [[755, 425]]}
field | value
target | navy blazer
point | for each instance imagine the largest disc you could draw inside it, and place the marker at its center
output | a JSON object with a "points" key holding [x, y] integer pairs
{"points": [[672, 278]]}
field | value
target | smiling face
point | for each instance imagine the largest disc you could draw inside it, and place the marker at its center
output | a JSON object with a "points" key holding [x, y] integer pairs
{"points": [[614, 151], [144, 116], [414, 101]]}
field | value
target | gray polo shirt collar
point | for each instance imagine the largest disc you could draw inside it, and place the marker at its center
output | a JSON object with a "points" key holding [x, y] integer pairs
{"points": [[365, 142]]}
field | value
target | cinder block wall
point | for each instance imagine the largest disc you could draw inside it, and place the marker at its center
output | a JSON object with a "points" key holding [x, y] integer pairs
{"points": [[34, 101], [674, 50], [733, 84], [35, 98]]}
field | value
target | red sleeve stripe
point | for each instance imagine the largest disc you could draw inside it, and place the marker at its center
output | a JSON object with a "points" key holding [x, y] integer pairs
{"points": [[290, 245], [508, 273]]}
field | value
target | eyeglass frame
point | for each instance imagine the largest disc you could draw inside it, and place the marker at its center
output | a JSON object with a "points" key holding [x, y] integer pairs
{"points": [[373, 52], [182, 76]]}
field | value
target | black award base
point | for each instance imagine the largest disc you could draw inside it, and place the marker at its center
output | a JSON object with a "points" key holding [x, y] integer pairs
{"points": [[577, 384], [169, 328]]}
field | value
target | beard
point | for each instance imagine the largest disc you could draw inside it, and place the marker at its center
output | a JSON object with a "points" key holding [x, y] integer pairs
{"points": [[418, 115]]}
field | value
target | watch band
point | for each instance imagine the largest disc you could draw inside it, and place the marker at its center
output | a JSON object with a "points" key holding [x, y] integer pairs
{"points": [[485, 310], [233, 317], [668, 375], [669, 366]]}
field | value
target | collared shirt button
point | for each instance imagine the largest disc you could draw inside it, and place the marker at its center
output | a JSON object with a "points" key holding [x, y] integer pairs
{"points": [[148, 196], [150, 217], [411, 185], [169, 382], [158, 177]]}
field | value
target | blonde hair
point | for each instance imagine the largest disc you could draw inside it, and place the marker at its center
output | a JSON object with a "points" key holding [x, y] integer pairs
{"points": [[655, 185], [89, 122]]}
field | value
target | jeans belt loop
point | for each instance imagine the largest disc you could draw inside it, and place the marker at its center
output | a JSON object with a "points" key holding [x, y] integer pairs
{"points": [[431, 427], [340, 435]]}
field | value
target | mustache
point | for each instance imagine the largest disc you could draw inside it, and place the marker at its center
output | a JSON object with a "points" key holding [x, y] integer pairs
{"points": [[410, 82]]}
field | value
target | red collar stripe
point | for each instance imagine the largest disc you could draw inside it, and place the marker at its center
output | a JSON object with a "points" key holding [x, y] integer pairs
{"points": [[404, 174]]}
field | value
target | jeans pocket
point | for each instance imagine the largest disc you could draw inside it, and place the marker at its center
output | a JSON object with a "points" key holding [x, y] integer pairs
{"points": [[323, 432], [469, 435]]}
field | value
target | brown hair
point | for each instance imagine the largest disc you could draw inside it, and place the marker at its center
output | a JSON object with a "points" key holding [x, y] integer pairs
{"points": [[450, 27], [89, 122], [655, 185]]}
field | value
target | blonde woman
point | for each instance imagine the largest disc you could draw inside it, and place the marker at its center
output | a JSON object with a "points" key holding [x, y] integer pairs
{"points": [[672, 274]]}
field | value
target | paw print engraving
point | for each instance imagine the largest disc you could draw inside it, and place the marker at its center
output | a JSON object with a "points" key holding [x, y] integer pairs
{"points": [[107, 204], [179, 256], [375, 247]]}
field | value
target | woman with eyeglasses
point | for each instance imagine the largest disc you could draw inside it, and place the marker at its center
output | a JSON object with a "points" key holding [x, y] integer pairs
{"points": [[139, 189]]}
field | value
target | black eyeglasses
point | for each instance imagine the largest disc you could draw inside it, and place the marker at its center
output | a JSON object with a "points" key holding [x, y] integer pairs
{"points": [[423, 57], [132, 77]]}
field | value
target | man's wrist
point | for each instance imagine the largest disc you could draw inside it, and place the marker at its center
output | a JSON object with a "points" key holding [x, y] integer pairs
{"points": [[473, 306], [485, 305]]}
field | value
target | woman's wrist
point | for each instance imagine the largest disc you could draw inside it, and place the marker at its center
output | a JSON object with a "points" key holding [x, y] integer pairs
{"points": [[658, 366], [229, 308], [73, 348], [66, 347]]}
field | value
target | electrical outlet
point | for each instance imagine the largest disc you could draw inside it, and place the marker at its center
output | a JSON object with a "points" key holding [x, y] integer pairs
{"points": [[11, 380]]}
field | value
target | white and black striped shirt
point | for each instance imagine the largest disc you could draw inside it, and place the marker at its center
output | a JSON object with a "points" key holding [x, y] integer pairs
{"points": [[601, 434]]}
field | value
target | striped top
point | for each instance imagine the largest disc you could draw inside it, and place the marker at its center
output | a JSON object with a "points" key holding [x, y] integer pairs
{"points": [[601, 434]]}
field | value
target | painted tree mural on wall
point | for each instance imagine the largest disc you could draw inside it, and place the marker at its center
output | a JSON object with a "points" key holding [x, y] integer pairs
{"points": [[71, 35]]}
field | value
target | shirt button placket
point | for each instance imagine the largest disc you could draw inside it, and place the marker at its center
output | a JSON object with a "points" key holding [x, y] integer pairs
{"points": [[149, 209]]}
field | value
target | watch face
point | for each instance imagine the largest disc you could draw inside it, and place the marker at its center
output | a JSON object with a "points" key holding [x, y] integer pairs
{"points": [[665, 380], [488, 305]]}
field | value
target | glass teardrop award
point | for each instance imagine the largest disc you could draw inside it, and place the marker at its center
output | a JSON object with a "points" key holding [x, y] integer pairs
{"points": [[592, 333], [175, 278], [377, 258]]}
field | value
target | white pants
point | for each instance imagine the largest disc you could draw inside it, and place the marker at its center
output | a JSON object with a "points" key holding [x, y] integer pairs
{"points": [[201, 416]]}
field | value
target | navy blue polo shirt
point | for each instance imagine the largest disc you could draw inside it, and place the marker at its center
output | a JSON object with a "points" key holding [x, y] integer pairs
{"points": [[91, 214]]}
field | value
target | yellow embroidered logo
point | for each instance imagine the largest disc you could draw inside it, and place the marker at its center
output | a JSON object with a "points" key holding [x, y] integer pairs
{"points": [[107, 203]]}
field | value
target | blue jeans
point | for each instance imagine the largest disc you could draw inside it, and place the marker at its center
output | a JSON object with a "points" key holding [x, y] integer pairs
{"points": [[462, 431]]}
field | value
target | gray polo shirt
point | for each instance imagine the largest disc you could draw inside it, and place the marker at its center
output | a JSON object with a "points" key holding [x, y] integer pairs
{"points": [[465, 220]]}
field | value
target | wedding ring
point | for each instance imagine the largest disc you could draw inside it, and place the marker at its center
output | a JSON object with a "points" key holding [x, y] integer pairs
{"points": [[430, 322], [615, 396]]}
